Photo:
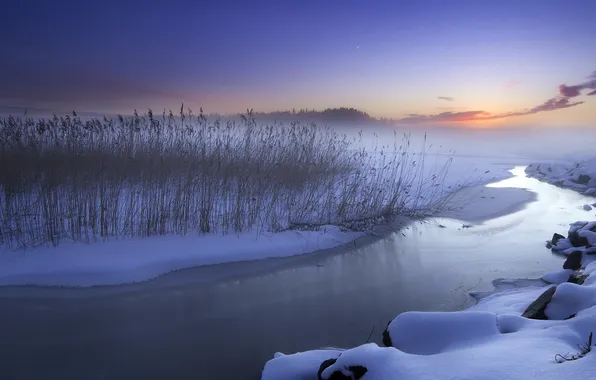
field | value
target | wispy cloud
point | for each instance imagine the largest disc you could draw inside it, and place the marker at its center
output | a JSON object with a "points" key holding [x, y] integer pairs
{"points": [[575, 90], [512, 84], [446, 117], [561, 101], [447, 98]]}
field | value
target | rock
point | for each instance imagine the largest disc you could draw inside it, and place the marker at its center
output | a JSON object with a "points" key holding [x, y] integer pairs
{"points": [[574, 261], [357, 371], [324, 365], [577, 278], [583, 179], [576, 240], [387, 338], [536, 308], [587, 208], [556, 238]]}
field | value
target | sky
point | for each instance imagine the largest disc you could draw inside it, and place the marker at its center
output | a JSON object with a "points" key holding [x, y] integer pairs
{"points": [[495, 63]]}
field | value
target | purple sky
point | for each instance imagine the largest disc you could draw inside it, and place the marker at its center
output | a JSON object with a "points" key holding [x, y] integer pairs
{"points": [[496, 62]]}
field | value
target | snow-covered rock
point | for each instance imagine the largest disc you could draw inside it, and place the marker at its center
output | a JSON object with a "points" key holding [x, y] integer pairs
{"points": [[562, 245], [411, 331], [570, 299], [489, 341], [557, 276], [298, 366], [580, 176]]}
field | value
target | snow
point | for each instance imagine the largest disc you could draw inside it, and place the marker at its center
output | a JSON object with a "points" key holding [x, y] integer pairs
{"points": [[589, 235], [130, 260], [482, 203], [510, 301], [576, 226], [298, 366], [126, 261], [579, 176], [590, 268], [489, 341], [504, 347], [563, 245], [411, 332], [570, 299], [558, 276]]}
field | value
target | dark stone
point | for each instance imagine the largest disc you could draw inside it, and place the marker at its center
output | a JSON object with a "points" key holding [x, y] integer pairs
{"points": [[536, 308], [578, 241], [556, 238], [357, 371], [577, 278], [574, 261], [583, 179], [327, 363], [387, 339]]}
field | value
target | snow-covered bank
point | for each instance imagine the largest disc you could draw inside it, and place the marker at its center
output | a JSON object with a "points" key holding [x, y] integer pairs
{"points": [[491, 340], [578, 176], [126, 261], [120, 261], [480, 203]]}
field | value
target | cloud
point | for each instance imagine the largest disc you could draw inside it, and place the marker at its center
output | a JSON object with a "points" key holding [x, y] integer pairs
{"points": [[570, 91], [512, 83], [575, 90], [446, 117], [447, 98], [560, 101]]}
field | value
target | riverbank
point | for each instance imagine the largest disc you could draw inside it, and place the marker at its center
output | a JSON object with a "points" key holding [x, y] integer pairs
{"points": [[578, 176], [126, 261], [549, 328]]}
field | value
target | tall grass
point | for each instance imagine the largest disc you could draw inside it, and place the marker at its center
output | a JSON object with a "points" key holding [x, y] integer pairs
{"points": [[68, 179]]}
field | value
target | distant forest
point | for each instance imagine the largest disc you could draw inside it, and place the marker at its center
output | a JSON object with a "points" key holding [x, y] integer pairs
{"points": [[341, 114]]}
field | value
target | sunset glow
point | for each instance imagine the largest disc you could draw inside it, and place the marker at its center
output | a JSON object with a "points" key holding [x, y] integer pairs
{"points": [[431, 62]]}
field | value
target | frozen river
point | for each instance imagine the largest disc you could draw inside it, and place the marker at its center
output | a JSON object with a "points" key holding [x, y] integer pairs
{"points": [[226, 327]]}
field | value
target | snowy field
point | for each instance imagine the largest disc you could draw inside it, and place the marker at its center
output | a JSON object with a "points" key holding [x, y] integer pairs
{"points": [[490, 340]]}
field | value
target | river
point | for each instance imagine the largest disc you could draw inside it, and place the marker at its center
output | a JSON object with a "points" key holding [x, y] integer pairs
{"points": [[229, 324]]}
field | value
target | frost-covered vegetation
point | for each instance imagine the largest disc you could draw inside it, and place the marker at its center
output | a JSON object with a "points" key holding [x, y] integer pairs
{"points": [[73, 179]]}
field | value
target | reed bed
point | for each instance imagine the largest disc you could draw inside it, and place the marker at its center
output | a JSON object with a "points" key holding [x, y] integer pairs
{"points": [[72, 179]]}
